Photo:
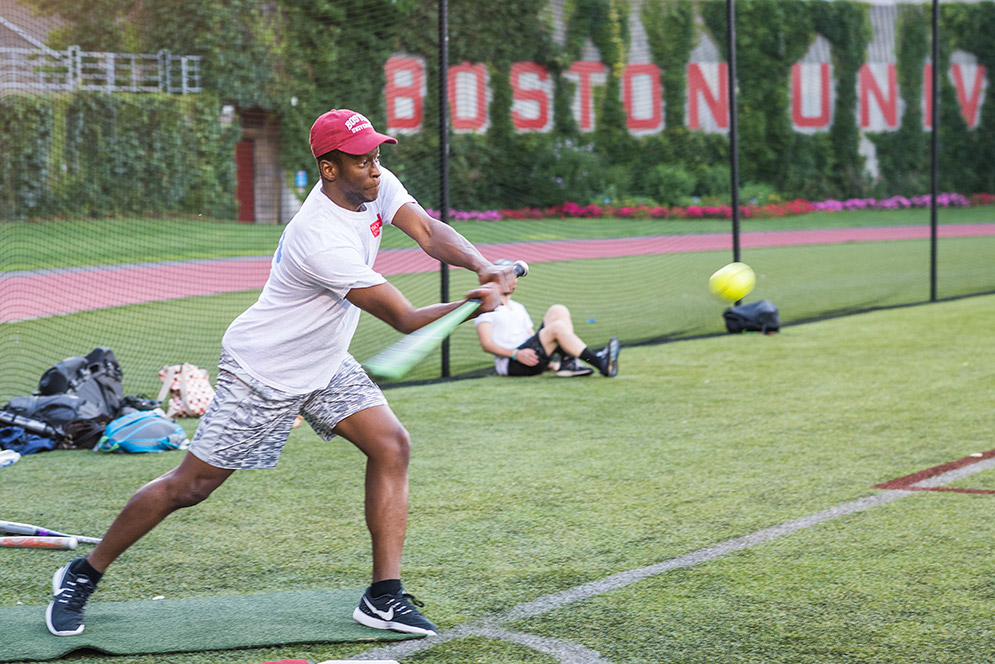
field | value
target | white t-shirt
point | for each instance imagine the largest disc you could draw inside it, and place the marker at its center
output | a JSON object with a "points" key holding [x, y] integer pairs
{"points": [[296, 335], [510, 327]]}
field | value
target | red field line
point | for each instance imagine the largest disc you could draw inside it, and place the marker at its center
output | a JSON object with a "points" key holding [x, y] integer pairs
{"points": [[908, 482], [40, 293]]}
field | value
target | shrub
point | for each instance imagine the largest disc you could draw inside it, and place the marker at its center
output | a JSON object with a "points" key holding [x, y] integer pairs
{"points": [[671, 184], [757, 194], [564, 170], [713, 181]]}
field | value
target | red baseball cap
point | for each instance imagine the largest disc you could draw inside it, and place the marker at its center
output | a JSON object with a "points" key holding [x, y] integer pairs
{"points": [[345, 130]]}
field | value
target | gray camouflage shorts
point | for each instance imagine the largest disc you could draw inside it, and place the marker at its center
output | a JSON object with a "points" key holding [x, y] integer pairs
{"points": [[247, 423]]}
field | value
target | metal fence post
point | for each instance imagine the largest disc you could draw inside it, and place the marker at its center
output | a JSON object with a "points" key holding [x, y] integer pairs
{"points": [[444, 158], [733, 138], [935, 144], [74, 69], [164, 58]]}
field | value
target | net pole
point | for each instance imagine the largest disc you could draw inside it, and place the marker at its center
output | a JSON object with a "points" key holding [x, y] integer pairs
{"points": [[444, 160], [733, 137], [935, 156]]}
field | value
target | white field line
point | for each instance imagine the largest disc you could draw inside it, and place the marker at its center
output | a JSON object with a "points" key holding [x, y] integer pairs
{"points": [[570, 653]]}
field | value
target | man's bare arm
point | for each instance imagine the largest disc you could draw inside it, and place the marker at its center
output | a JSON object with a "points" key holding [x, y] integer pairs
{"points": [[388, 304], [443, 243]]}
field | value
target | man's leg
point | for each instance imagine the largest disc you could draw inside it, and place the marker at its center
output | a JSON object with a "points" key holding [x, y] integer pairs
{"points": [[186, 485], [558, 330], [383, 439]]}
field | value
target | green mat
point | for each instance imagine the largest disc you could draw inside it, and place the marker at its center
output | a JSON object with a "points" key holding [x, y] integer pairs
{"points": [[187, 625]]}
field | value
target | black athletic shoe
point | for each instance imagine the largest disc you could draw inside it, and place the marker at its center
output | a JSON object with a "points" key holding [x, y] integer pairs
{"points": [[609, 358], [64, 615], [570, 367], [396, 612]]}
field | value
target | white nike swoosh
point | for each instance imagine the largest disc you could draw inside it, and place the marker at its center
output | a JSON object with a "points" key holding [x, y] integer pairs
{"points": [[386, 615]]}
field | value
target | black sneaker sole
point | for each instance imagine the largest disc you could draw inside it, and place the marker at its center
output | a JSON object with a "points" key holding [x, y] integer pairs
{"points": [[365, 619], [571, 373], [614, 347]]}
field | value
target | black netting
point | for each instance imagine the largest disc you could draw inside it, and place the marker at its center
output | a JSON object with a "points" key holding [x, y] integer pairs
{"points": [[151, 153]]}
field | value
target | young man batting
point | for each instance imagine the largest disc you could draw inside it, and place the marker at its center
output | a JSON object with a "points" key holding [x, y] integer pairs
{"points": [[288, 355]]}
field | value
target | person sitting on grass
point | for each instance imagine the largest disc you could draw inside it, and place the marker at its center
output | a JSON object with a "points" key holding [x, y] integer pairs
{"points": [[519, 350]]}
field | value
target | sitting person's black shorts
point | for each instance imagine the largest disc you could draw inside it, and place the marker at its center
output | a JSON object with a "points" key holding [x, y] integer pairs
{"points": [[516, 368]]}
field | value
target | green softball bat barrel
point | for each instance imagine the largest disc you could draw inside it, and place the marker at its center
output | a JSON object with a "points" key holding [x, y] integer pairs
{"points": [[398, 358]]}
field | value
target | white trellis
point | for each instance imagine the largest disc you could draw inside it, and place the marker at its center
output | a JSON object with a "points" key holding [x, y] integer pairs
{"points": [[44, 70]]}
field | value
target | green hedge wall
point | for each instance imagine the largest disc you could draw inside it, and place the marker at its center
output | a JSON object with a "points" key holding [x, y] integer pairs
{"points": [[966, 155], [297, 58], [95, 154], [26, 125]]}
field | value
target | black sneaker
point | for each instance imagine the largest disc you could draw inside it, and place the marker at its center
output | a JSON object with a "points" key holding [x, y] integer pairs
{"points": [[396, 612], [64, 615], [571, 367], [609, 358]]}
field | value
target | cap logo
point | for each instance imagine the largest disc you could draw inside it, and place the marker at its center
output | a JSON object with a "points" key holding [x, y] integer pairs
{"points": [[357, 123]]}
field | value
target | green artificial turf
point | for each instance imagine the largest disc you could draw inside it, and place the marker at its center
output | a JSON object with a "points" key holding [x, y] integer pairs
{"points": [[906, 582], [525, 487]]}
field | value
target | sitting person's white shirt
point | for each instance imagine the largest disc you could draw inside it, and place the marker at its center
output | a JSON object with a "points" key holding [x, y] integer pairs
{"points": [[510, 327]]}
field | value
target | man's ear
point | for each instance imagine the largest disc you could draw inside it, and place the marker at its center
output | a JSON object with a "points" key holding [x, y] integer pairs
{"points": [[328, 169]]}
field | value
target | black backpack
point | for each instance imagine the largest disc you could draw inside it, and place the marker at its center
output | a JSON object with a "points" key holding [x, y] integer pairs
{"points": [[95, 379], [759, 316], [53, 411], [63, 418], [75, 400]]}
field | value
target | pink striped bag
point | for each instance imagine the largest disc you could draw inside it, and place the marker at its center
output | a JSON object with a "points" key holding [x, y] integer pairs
{"points": [[188, 388]]}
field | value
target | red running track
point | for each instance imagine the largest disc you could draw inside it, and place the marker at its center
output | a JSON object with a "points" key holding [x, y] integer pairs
{"points": [[50, 292]]}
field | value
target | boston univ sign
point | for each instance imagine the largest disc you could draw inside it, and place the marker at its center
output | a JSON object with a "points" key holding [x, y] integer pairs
{"points": [[812, 88]]}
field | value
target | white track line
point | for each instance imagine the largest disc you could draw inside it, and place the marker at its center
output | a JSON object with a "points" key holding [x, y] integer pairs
{"points": [[570, 653]]}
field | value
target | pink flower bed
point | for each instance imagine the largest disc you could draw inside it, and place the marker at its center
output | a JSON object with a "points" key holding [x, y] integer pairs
{"points": [[571, 210], [897, 203]]}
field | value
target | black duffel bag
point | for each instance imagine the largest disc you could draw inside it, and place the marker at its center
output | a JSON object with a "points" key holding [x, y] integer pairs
{"points": [[759, 316]]}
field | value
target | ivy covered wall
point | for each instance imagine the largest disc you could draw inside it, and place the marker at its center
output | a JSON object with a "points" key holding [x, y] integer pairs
{"points": [[95, 154], [967, 155], [297, 58]]}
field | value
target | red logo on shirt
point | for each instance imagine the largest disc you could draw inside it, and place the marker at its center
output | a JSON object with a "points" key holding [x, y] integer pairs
{"points": [[375, 226]]}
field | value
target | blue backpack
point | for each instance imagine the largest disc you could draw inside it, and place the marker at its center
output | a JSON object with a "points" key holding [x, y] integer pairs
{"points": [[143, 431]]}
